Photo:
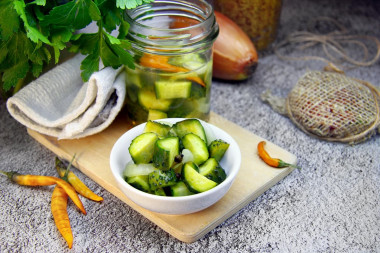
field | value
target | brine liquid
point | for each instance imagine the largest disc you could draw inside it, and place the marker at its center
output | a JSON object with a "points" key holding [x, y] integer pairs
{"points": [[154, 93]]}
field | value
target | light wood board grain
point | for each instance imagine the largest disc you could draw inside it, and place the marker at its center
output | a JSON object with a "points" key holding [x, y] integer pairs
{"points": [[253, 179]]}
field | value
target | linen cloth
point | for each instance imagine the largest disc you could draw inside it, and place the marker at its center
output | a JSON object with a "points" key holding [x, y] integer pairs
{"points": [[60, 104]]}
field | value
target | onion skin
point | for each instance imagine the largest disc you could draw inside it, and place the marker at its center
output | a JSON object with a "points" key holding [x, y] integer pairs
{"points": [[235, 56]]}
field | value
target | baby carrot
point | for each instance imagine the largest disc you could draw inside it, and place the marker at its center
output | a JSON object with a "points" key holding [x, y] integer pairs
{"points": [[36, 180], [161, 62], [273, 162], [61, 218], [78, 185]]}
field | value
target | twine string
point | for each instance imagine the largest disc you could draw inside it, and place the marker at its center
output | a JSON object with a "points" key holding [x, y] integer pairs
{"points": [[332, 45]]}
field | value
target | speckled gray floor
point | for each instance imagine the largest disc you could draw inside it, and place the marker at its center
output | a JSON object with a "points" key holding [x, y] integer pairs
{"points": [[332, 205]]}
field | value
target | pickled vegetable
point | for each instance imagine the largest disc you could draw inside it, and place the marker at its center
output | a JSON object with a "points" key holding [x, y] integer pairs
{"points": [[180, 163], [163, 86]]}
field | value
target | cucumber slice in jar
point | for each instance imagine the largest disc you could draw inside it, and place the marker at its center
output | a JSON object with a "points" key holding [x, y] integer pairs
{"points": [[133, 77], [171, 90], [165, 151], [197, 147], [195, 181], [148, 100], [181, 108], [142, 147], [190, 61], [198, 91], [190, 126], [156, 114]]}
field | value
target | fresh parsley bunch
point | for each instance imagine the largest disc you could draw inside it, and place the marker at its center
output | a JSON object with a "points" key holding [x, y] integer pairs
{"points": [[32, 31]]}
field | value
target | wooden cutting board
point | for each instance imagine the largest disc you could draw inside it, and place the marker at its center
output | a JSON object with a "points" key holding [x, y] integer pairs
{"points": [[253, 179]]}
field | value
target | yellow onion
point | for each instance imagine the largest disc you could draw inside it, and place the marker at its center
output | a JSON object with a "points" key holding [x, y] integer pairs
{"points": [[235, 56]]}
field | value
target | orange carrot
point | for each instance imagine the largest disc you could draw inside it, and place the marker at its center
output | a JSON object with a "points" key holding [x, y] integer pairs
{"points": [[161, 62], [273, 162], [61, 218], [36, 180], [78, 185], [196, 79]]}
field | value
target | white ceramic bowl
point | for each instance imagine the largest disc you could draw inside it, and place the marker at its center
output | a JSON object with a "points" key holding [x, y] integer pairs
{"points": [[175, 205]]}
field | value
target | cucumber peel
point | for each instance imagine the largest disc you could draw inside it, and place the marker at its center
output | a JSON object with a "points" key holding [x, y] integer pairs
{"points": [[142, 147], [197, 147], [195, 181]]}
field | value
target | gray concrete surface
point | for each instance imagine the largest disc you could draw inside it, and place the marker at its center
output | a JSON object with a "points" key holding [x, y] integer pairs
{"points": [[332, 205]]}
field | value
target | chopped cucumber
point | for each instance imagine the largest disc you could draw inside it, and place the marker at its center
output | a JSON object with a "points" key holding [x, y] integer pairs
{"points": [[197, 147], [189, 126], [148, 100], [160, 192], [180, 189], [165, 150], [190, 61], [206, 71], [166, 159], [137, 113], [159, 179], [142, 147], [183, 107], [195, 181], [133, 77], [195, 113], [139, 182], [212, 170], [198, 91], [217, 149], [132, 91], [161, 130], [156, 114], [146, 78], [132, 169], [170, 90], [202, 105]]}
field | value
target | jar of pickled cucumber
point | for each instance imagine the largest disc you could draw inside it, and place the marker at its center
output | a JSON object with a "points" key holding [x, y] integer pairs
{"points": [[172, 50]]}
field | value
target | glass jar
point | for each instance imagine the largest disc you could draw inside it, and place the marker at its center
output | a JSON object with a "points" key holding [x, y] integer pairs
{"points": [[172, 50], [258, 18]]}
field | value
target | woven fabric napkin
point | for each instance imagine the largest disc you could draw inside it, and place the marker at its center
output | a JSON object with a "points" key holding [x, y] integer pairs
{"points": [[59, 104]]}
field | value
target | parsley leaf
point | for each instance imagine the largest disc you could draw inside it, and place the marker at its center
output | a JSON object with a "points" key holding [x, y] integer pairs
{"points": [[3, 51], [123, 29], [33, 33], [10, 24], [130, 4], [37, 69], [17, 55], [89, 65], [102, 46], [39, 2], [76, 14], [60, 37], [14, 73], [34, 29]]}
